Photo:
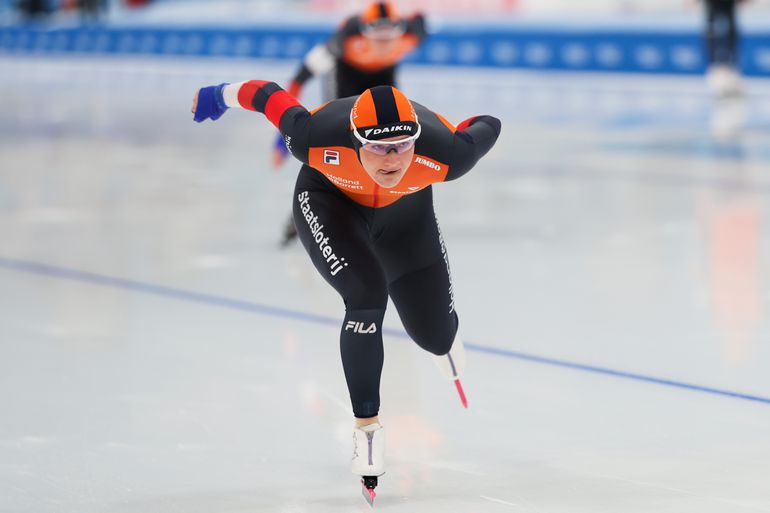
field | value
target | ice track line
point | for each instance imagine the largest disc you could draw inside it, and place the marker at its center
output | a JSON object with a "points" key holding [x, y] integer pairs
{"points": [[274, 311]]}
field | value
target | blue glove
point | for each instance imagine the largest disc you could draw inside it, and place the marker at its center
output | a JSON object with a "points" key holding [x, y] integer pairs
{"points": [[280, 151], [280, 146], [211, 103]]}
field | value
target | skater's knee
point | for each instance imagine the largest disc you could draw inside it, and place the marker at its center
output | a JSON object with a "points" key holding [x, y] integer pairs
{"points": [[433, 334], [441, 346], [436, 341], [366, 295]]}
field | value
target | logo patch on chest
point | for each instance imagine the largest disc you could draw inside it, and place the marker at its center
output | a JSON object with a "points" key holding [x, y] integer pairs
{"points": [[332, 157]]}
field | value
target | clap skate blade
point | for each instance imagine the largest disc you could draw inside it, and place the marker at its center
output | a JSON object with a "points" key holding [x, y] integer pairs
{"points": [[368, 484]]}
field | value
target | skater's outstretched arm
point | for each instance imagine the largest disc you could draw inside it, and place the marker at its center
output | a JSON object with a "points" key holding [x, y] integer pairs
{"points": [[268, 98], [472, 140]]}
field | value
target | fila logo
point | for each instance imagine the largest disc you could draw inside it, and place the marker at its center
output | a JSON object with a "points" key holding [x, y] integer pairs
{"points": [[387, 130], [427, 163], [358, 327], [332, 157]]}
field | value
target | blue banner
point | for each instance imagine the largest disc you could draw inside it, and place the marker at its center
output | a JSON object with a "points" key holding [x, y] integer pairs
{"points": [[611, 51]]}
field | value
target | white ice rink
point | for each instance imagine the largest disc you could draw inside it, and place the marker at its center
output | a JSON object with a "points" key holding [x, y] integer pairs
{"points": [[160, 354]]}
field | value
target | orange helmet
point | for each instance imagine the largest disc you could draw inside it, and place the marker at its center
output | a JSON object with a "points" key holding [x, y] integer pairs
{"points": [[383, 112], [380, 20]]}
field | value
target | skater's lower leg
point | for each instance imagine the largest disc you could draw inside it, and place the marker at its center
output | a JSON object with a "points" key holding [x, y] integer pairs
{"points": [[362, 359], [367, 421]]}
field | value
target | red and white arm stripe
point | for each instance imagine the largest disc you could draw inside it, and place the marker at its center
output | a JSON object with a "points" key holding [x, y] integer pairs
{"points": [[242, 93], [260, 96], [230, 93]]}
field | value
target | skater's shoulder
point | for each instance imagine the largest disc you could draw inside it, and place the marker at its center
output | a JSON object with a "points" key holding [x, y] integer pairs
{"points": [[431, 121], [423, 112], [331, 123], [334, 109]]}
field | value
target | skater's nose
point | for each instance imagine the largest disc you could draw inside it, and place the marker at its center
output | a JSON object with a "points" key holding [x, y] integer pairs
{"points": [[391, 157]]}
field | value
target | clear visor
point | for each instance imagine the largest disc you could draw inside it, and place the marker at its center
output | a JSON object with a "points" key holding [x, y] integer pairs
{"points": [[383, 30], [383, 147]]}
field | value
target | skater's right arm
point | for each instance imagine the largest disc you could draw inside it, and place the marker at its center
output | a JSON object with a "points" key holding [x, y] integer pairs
{"points": [[280, 108]]}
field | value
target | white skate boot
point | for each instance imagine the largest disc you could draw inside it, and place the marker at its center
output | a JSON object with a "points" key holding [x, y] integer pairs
{"points": [[452, 365], [368, 458]]}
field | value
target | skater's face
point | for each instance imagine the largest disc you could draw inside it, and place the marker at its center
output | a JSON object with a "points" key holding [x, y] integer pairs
{"points": [[388, 169]]}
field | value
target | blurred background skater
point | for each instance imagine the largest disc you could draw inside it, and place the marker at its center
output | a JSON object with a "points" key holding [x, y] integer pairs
{"points": [[724, 75], [722, 46], [363, 53], [363, 206]]}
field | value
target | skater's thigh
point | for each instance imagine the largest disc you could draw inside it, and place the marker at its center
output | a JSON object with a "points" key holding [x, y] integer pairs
{"points": [[335, 236], [416, 264], [424, 300], [407, 237]]}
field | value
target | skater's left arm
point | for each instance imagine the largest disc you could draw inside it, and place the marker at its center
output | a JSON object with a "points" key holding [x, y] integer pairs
{"points": [[472, 139], [268, 98]]}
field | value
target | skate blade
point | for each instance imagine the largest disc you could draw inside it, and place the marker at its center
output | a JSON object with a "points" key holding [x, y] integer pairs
{"points": [[461, 392], [368, 494]]}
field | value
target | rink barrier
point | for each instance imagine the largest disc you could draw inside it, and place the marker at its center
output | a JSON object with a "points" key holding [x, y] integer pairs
{"points": [[52, 271], [628, 51]]}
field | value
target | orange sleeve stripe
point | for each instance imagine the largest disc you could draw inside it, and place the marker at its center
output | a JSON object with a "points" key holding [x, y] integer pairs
{"points": [[449, 125], [319, 108]]}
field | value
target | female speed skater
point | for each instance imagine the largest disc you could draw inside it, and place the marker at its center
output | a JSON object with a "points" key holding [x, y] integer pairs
{"points": [[363, 207]]}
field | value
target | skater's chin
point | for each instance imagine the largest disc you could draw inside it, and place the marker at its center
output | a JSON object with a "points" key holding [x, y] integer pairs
{"points": [[388, 178]]}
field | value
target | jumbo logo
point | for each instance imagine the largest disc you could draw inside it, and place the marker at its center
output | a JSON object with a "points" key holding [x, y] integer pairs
{"points": [[427, 163]]}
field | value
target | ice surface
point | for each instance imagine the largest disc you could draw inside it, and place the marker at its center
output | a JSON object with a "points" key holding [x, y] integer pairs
{"points": [[159, 353]]}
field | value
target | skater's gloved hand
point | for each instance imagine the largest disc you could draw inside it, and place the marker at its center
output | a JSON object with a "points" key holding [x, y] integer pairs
{"points": [[280, 151], [209, 103]]}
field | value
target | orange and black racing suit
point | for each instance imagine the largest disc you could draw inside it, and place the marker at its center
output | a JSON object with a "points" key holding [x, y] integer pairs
{"points": [[370, 242]]}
